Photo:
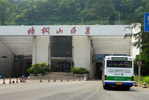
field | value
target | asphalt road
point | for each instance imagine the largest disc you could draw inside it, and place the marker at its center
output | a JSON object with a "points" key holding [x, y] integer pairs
{"points": [[78, 90]]}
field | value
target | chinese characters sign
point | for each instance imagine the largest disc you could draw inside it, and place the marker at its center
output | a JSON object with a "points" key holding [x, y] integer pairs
{"points": [[31, 31], [73, 30], [46, 30], [64, 30], [87, 30]]}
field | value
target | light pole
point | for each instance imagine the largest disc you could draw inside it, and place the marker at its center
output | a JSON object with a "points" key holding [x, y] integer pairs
{"points": [[139, 66]]}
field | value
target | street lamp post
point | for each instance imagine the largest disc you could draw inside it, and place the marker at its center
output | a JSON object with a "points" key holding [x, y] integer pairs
{"points": [[139, 67]]}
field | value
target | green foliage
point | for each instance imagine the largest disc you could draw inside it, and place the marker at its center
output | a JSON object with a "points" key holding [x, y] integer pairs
{"points": [[103, 10], [48, 66], [145, 62], [38, 68], [6, 10], [143, 79], [31, 70], [46, 11], [43, 65], [79, 70], [72, 64]]}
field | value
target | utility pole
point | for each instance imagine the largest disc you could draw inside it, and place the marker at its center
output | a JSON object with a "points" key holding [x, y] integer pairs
{"points": [[139, 67]]}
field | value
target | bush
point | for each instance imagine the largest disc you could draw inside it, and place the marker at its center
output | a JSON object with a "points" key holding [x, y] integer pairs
{"points": [[43, 65], [143, 79], [31, 70], [79, 70], [46, 67], [145, 63], [38, 68], [72, 64]]}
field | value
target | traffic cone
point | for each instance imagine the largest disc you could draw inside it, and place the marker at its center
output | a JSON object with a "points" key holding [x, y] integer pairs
{"points": [[40, 79], [21, 80], [24, 80], [48, 79], [135, 84], [16, 80], [54, 79], [10, 81], [61, 79], [4, 81], [13, 81], [144, 85], [68, 79]]}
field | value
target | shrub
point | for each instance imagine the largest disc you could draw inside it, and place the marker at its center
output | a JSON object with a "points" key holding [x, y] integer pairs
{"points": [[47, 68], [72, 64], [43, 65], [39, 70], [79, 70], [31, 70], [143, 79], [36, 65]]}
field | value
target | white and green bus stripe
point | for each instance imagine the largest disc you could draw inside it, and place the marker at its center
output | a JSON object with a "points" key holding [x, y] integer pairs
{"points": [[119, 78]]}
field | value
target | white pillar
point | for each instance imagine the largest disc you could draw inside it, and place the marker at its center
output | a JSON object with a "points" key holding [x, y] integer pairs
{"points": [[34, 50]]}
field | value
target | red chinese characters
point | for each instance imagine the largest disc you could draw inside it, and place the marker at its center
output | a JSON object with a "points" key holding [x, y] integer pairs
{"points": [[45, 30], [73, 30], [31, 31], [59, 31], [87, 30]]}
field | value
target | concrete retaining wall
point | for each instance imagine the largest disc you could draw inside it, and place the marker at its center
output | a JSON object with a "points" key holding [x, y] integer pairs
{"points": [[6, 64]]}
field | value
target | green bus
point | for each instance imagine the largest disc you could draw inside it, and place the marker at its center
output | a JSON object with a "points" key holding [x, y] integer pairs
{"points": [[118, 71]]}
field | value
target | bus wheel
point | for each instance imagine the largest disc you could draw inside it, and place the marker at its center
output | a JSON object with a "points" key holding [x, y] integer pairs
{"points": [[105, 87], [127, 88]]}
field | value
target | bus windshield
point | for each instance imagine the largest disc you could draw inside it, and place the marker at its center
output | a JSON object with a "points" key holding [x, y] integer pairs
{"points": [[120, 64]]}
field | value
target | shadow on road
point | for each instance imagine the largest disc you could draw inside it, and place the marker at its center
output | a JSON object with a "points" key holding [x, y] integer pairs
{"points": [[121, 89]]}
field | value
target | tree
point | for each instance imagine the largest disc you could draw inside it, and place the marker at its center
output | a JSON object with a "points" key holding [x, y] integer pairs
{"points": [[68, 10], [5, 11], [145, 62], [103, 10], [136, 28]]}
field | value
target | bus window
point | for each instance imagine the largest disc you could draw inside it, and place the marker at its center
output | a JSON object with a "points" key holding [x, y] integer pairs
{"points": [[120, 64]]}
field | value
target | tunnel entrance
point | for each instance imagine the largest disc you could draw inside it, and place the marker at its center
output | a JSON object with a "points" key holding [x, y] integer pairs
{"points": [[21, 64], [98, 72], [100, 62], [15, 55]]}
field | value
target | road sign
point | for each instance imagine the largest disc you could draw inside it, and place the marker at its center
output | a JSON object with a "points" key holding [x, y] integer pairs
{"points": [[0, 76], [139, 62], [146, 22]]}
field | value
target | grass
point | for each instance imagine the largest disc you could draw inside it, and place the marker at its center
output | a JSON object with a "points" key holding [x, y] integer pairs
{"points": [[143, 79]]}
